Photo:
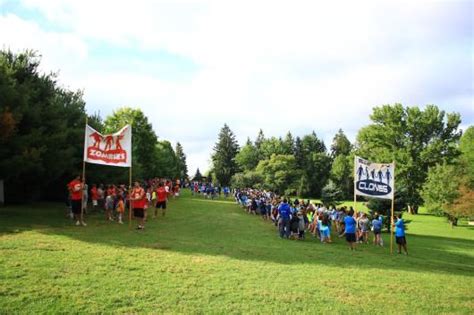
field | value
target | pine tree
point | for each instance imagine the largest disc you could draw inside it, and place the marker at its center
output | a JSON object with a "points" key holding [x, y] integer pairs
{"points": [[260, 139], [197, 176], [182, 167], [340, 145], [224, 155]]}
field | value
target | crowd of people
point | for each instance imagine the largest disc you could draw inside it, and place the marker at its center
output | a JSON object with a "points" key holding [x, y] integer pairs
{"points": [[295, 219], [208, 190], [113, 200]]}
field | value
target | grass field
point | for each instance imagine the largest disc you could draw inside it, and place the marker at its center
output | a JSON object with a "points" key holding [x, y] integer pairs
{"points": [[210, 257]]}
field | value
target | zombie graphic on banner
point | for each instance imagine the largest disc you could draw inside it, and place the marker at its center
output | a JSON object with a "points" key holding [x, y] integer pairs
{"points": [[368, 179], [114, 149]]}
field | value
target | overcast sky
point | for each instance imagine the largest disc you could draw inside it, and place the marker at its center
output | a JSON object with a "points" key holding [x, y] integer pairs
{"points": [[296, 66]]}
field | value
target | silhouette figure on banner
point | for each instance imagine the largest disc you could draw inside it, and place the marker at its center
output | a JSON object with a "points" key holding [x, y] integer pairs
{"points": [[108, 142], [97, 139], [380, 175], [388, 175], [360, 171], [118, 146]]}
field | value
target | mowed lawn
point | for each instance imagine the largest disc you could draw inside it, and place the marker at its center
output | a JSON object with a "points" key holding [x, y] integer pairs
{"points": [[211, 257]]}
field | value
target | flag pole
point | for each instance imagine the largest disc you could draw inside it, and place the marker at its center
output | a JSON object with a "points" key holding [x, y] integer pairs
{"points": [[129, 197], [83, 175], [355, 195], [392, 210]]}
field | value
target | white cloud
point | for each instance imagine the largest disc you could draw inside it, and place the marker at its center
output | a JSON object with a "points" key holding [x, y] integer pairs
{"points": [[279, 66]]}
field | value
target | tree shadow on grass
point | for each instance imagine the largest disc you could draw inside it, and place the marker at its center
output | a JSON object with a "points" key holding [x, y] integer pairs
{"points": [[228, 232]]}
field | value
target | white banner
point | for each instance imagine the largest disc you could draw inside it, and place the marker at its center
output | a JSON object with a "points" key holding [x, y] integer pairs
{"points": [[374, 180], [113, 150]]}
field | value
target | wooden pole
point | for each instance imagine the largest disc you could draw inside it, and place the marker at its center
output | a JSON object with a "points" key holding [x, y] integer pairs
{"points": [[130, 197], [392, 210], [355, 195], [83, 177]]}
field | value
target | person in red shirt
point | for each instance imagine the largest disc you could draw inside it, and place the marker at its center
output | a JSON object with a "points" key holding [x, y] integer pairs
{"points": [[161, 197], [138, 199], [94, 196], [75, 189]]}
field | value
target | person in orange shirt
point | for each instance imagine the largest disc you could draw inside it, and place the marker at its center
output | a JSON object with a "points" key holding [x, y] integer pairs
{"points": [[138, 200], [75, 188], [120, 209], [161, 197]]}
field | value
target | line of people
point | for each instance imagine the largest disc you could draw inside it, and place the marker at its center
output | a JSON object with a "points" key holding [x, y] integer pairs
{"points": [[296, 218], [113, 200]]}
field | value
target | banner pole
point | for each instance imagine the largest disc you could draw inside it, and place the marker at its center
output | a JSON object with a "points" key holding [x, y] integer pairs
{"points": [[355, 195], [129, 197], [83, 177], [392, 210]]}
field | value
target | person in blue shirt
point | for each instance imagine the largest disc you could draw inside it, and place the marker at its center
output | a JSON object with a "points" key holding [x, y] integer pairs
{"points": [[377, 229], [400, 234], [350, 229], [284, 214]]}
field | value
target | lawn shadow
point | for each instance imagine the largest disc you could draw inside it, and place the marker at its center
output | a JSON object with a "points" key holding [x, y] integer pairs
{"points": [[227, 231]]}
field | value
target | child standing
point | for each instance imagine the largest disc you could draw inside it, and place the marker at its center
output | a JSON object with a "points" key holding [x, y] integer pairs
{"points": [[400, 234], [120, 209]]}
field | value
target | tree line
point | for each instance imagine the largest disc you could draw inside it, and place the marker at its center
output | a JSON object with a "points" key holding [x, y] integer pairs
{"points": [[434, 161], [42, 135]]}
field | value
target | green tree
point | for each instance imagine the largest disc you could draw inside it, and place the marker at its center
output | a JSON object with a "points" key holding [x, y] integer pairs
{"points": [[143, 139], [182, 168], [223, 158], [466, 145], [441, 188], [260, 139], [279, 173], [42, 130], [315, 165], [247, 158], [416, 139], [342, 174], [269, 147], [197, 176], [247, 179], [331, 194], [288, 144], [166, 163], [340, 145]]}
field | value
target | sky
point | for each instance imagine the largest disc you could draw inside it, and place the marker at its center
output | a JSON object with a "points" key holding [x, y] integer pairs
{"points": [[279, 66]]}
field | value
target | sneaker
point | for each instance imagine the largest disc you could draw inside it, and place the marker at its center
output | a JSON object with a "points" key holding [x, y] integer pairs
{"points": [[78, 223], [84, 224]]}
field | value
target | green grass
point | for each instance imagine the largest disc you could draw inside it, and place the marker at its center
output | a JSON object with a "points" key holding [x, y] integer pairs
{"points": [[211, 257]]}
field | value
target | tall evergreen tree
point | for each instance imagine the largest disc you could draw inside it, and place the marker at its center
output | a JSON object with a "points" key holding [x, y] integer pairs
{"points": [[182, 167], [197, 175], [340, 145], [260, 139], [289, 144], [223, 158]]}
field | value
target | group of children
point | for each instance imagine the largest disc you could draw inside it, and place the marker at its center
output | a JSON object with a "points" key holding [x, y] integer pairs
{"points": [[296, 218], [113, 200]]}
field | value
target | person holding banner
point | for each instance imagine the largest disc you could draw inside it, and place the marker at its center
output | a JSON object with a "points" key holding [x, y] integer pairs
{"points": [[75, 188], [138, 200]]}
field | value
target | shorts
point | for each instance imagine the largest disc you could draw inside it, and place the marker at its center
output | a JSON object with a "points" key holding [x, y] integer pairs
{"points": [[351, 237], [94, 203], [138, 213], [76, 206], [377, 231], [161, 204], [401, 240]]}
